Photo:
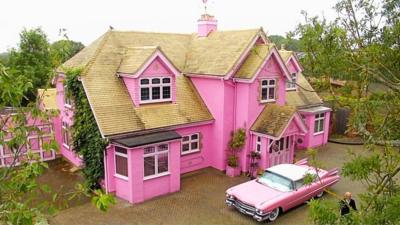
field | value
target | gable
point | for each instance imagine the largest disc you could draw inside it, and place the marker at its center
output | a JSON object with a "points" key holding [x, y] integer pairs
{"points": [[293, 66]]}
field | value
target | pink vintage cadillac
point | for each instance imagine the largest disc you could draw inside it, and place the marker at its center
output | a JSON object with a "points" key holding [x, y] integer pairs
{"points": [[280, 188]]}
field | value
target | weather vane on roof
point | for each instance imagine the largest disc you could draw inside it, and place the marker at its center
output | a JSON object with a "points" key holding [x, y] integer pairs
{"points": [[205, 6]]}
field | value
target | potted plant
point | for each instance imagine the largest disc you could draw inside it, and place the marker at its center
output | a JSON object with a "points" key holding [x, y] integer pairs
{"points": [[254, 157], [235, 145]]}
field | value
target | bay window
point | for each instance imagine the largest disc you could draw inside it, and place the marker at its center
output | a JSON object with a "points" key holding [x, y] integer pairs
{"points": [[156, 161], [190, 143], [121, 162], [268, 89], [155, 89], [319, 123]]}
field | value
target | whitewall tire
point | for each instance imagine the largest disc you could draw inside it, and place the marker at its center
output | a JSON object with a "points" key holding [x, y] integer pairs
{"points": [[274, 214]]}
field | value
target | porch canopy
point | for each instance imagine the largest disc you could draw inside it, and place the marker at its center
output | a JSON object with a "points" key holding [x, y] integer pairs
{"points": [[146, 139]]}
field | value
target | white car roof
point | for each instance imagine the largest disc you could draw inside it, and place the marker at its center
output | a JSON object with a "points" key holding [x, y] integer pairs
{"points": [[291, 171]]}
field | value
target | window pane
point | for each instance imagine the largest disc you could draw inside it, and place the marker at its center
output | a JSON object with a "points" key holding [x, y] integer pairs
{"points": [[194, 145], [144, 94], [271, 94], [121, 165], [155, 81], [264, 82], [121, 150], [185, 138], [166, 92], [149, 165], [287, 142], [163, 147], [144, 81], [258, 148], [155, 93], [258, 139], [272, 82], [264, 95], [185, 147], [149, 150], [195, 137], [163, 162], [315, 126], [166, 80], [321, 125]]}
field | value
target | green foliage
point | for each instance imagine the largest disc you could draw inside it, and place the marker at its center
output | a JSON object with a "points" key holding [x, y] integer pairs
{"points": [[87, 140], [102, 201], [235, 145], [32, 60], [63, 50], [289, 42], [362, 47]]}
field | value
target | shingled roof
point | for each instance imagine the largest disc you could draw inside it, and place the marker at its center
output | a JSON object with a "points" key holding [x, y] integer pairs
{"points": [[254, 61], [48, 98], [273, 119]]}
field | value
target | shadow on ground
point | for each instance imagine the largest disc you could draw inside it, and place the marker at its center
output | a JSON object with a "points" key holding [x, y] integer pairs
{"points": [[201, 200]]}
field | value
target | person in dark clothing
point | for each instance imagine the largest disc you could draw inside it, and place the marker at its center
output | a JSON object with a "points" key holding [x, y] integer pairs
{"points": [[346, 204]]}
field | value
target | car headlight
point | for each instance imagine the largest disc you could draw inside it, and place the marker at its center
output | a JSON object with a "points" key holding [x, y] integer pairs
{"points": [[259, 211]]}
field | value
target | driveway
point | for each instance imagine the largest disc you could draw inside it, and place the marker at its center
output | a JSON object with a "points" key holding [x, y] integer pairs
{"points": [[201, 200]]}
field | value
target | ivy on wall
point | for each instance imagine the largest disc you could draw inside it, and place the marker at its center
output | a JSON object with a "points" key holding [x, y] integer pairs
{"points": [[87, 140]]}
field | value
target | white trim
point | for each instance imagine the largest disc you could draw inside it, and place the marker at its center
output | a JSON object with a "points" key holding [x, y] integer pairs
{"points": [[296, 62], [199, 75], [189, 142], [292, 83], [268, 87], [121, 176], [115, 164], [318, 133], [156, 154], [157, 175], [150, 85]]}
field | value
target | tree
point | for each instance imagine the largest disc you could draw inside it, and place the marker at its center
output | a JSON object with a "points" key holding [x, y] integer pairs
{"points": [[4, 58], [289, 42], [362, 46], [32, 60], [20, 202], [63, 50]]}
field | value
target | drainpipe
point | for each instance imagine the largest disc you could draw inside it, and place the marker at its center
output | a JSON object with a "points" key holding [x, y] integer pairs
{"points": [[105, 169]]}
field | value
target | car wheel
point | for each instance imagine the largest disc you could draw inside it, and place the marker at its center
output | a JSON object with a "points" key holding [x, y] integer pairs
{"points": [[320, 194], [274, 214]]}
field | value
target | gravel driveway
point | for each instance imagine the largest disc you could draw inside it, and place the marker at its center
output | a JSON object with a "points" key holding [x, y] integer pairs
{"points": [[201, 200]]}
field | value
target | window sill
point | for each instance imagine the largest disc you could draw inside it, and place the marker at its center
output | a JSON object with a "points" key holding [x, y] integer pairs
{"points": [[291, 89], [190, 152], [268, 101], [67, 106], [156, 176], [318, 133], [66, 146], [155, 101], [121, 177]]}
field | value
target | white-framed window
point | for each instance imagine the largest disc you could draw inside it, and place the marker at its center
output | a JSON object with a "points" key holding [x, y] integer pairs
{"points": [[281, 144], [258, 144], [190, 143], [121, 162], [291, 84], [157, 89], [319, 123], [66, 135], [156, 161], [67, 99], [268, 90]]}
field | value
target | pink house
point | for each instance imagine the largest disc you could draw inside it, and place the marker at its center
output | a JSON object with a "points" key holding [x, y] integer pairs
{"points": [[168, 103]]}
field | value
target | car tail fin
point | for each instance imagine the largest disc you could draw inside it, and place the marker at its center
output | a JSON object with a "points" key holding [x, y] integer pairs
{"points": [[332, 172], [302, 162]]}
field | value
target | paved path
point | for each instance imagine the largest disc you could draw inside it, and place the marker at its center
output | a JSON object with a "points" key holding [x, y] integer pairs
{"points": [[201, 200]]}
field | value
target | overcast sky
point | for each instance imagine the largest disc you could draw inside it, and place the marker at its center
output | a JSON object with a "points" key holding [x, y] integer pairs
{"points": [[85, 20]]}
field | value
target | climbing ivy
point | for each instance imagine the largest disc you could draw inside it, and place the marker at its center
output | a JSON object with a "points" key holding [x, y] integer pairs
{"points": [[87, 140]]}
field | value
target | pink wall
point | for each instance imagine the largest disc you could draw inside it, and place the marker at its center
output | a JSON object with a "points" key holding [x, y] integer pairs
{"points": [[311, 140], [135, 188], [202, 159], [66, 115], [157, 68]]}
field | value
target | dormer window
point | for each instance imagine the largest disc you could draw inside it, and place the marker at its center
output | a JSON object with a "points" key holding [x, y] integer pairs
{"points": [[157, 89], [291, 84], [268, 89]]}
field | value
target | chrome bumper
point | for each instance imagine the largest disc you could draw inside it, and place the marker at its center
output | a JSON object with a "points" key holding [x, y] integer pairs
{"points": [[245, 210]]}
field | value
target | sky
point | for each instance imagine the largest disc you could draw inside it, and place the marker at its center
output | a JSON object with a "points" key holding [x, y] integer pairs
{"points": [[85, 20]]}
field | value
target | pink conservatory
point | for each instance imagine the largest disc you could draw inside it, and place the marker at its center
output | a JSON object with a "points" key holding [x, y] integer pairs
{"points": [[168, 103]]}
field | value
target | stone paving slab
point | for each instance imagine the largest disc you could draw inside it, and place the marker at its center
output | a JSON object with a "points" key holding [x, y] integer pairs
{"points": [[201, 200]]}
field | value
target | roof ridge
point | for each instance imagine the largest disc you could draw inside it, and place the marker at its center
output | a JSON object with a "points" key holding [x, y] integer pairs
{"points": [[96, 53]]}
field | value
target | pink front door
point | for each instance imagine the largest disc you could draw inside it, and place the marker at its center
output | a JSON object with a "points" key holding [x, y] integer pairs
{"points": [[279, 151]]}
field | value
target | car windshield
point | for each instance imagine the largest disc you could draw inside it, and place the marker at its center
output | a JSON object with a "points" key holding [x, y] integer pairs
{"points": [[275, 181]]}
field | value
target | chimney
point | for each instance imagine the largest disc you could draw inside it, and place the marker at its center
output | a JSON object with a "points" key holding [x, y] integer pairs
{"points": [[206, 24]]}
